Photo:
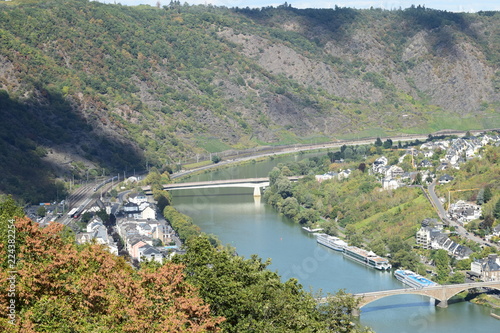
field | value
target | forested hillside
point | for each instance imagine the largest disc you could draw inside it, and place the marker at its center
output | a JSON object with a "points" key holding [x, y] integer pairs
{"points": [[86, 86]]}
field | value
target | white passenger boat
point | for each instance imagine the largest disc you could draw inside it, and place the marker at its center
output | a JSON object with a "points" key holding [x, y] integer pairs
{"points": [[331, 242], [367, 257], [413, 279]]}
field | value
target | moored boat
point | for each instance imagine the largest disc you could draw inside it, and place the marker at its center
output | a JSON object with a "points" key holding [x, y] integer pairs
{"points": [[331, 242], [413, 279], [309, 230], [367, 257]]}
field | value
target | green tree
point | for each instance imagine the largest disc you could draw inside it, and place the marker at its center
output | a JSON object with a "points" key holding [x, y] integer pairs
{"points": [[350, 231], [113, 193], [307, 216], [348, 153], [456, 278], [418, 179], [181, 223], [396, 244], [283, 187], [104, 217], [253, 299], [378, 246], [496, 210], [387, 144], [308, 200], [86, 217], [153, 177], [487, 223], [406, 259], [480, 197], [337, 312], [162, 198], [356, 240], [463, 264], [487, 195], [41, 211], [273, 176], [216, 159], [442, 262], [290, 207]]}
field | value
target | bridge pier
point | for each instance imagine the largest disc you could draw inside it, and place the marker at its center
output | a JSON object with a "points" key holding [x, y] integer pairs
{"points": [[441, 304], [256, 191]]}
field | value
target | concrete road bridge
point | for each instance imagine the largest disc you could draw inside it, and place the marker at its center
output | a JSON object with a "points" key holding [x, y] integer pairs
{"points": [[255, 183], [441, 293]]}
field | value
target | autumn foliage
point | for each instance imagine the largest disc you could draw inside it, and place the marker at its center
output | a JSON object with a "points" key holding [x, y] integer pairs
{"points": [[62, 287]]}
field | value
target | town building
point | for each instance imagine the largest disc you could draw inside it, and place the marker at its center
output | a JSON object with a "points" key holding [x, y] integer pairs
{"points": [[390, 184], [344, 174], [326, 176], [445, 179], [149, 253], [488, 269], [97, 232], [464, 212], [430, 236], [137, 198]]}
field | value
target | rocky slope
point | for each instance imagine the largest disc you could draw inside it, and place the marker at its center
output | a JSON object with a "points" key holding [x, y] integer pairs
{"points": [[157, 85]]}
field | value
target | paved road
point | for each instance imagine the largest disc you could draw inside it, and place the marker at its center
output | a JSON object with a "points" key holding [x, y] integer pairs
{"points": [[121, 195], [444, 217], [437, 203], [338, 144]]}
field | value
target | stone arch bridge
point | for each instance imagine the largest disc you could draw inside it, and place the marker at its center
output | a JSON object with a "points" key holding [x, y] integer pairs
{"points": [[440, 293]]}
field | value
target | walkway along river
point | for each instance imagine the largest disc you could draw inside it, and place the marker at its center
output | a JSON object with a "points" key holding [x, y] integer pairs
{"points": [[252, 227]]}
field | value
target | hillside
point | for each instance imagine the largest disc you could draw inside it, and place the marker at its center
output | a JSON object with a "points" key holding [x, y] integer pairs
{"points": [[88, 86]]}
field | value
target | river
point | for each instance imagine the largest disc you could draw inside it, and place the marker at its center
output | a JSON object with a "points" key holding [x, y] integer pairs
{"points": [[252, 227]]}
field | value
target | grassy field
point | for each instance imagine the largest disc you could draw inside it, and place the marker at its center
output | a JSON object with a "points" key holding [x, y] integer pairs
{"points": [[368, 133], [212, 145], [414, 211], [196, 165], [289, 138], [446, 121], [436, 123]]}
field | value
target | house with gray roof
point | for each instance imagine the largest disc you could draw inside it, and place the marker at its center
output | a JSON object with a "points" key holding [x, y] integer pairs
{"points": [[429, 236], [98, 233], [137, 198], [149, 253], [425, 164], [488, 268], [446, 178]]}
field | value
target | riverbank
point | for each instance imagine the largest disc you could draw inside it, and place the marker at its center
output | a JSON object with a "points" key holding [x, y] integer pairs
{"points": [[256, 154], [238, 163], [491, 301]]}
